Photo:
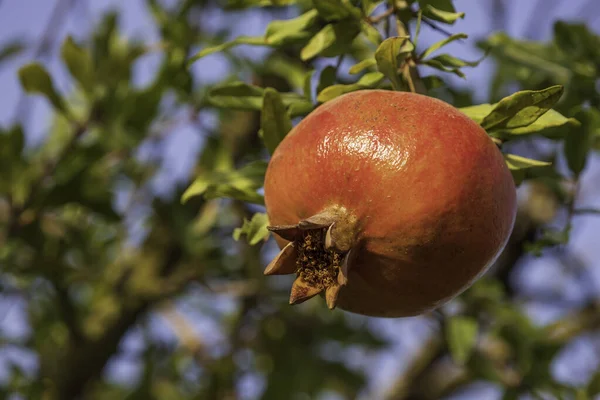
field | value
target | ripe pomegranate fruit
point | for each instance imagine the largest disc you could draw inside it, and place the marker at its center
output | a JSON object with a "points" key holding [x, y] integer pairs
{"points": [[388, 203]]}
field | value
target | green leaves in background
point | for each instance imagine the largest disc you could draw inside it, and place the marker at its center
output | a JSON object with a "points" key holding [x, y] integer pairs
{"points": [[274, 120], [255, 230], [336, 10], [461, 336], [249, 40], [390, 55], [36, 80], [241, 96], [282, 32], [549, 237], [579, 142], [334, 39], [368, 81], [79, 63], [239, 184]]}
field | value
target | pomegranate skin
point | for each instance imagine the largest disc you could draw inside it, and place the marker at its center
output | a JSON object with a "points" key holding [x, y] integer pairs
{"points": [[433, 199]]}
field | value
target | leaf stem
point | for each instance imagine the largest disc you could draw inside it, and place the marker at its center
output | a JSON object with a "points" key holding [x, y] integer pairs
{"points": [[409, 69]]}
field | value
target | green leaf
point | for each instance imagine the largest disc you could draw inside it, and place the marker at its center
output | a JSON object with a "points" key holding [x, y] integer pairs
{"points": [[368, 81], [551, 119], [327, 78], [593, 388], [332, 40], [440, 10], [237, 95], [239, 184], [521, 108], [389, 56], [248, 40], [515, 162], [283, 32], [576, 40], [79, 63], [579, 142], [241, 96], [438, 45], [307, 86], [541, 58], [371, 33], [448, 63], [369, 6], [549, 238], [461, 335], [287, 68], [36, 80], [10, 50], [336, 10], [255, 229], [433, 82], [444, 5], [361, 66], [274, 120]]}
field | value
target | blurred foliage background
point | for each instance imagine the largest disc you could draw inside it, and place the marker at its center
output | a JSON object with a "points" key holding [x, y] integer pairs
{"points": [[112, 288]]}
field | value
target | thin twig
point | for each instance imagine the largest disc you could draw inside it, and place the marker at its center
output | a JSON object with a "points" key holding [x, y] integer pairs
{"points": [[434, 26], [409, 69], [377, 19]]}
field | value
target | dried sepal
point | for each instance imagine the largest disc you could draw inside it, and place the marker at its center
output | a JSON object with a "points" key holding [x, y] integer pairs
{"points": [[328, 239], [342, 277], [317, 221], [302, 291], [339, 238], [331, 296], [287, 232], [285, 262]]}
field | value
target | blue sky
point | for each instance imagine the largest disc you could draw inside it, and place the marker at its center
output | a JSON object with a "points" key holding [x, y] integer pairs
{"points": [[26, 20]]}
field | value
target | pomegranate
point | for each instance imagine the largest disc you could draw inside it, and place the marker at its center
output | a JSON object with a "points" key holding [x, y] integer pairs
{"points": [[387, 203]]}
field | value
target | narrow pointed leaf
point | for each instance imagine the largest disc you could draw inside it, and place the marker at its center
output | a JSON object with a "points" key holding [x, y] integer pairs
{"points": [[515, 162], [389, 56], [334, 39], [247, 40], [438, 45], [36, 80], [579, 142], [275, 122], [286, 31], [361, 66], [522, 108], [441, 15], [79, 63], [368, 81]]}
